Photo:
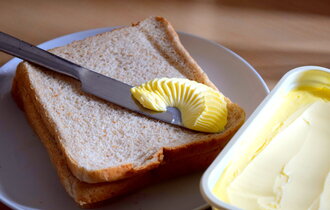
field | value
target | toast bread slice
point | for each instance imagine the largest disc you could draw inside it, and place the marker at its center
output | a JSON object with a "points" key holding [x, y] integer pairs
{"points": [[93, 141]]}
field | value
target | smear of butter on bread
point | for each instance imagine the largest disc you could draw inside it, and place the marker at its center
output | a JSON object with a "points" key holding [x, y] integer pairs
{"points": [[202, 108]]}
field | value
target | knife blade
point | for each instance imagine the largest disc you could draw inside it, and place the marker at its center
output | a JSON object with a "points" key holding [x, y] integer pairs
{"points": [[92, 82]]}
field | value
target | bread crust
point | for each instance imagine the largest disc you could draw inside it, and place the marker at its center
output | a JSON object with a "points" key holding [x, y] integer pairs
{"points": [[208, 143], [196, 71]]}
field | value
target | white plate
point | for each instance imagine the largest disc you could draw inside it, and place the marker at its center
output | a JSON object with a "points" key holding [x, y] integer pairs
{"points": [[27, 178]]}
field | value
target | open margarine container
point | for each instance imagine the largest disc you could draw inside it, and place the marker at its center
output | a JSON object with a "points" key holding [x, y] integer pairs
{"points": [[264, 164]]}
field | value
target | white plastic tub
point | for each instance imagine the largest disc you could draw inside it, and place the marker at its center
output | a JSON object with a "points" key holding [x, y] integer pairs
{"points": [[259, 117]]}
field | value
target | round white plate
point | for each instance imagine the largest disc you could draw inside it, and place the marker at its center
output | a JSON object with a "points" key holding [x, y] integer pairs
{"points": [[27, 178]]}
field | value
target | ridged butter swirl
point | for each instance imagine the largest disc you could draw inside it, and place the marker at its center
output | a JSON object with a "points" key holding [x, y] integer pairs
{"points": [[202, 108]]}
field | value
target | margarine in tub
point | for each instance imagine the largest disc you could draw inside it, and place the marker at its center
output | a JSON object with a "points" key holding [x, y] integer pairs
{"points": [[281, 158]]}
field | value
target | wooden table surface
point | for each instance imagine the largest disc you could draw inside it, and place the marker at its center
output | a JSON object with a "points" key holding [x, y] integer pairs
{"points": [[273, 36]]}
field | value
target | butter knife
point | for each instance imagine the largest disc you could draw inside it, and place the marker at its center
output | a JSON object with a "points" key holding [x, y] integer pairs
{"points": [[92, 82]]}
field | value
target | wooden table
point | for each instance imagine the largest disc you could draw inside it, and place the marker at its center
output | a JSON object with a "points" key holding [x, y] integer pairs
{"points": [[273, 36]]}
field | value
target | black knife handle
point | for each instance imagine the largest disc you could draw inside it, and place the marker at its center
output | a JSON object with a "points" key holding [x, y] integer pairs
{"points": [[26, 51]]}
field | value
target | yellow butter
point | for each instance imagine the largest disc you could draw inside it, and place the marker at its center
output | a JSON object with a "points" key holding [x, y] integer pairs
{"points": [[202, 108], [288, 165]]}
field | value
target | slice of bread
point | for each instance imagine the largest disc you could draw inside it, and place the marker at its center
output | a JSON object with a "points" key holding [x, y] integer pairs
{"points": [[93, 141]]}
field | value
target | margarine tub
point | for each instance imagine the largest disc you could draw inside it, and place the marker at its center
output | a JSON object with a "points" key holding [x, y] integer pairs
{"points": [[280, 158]]}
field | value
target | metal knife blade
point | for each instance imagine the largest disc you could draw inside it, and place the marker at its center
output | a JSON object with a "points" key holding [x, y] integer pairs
{"points": [[92, 82]]}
